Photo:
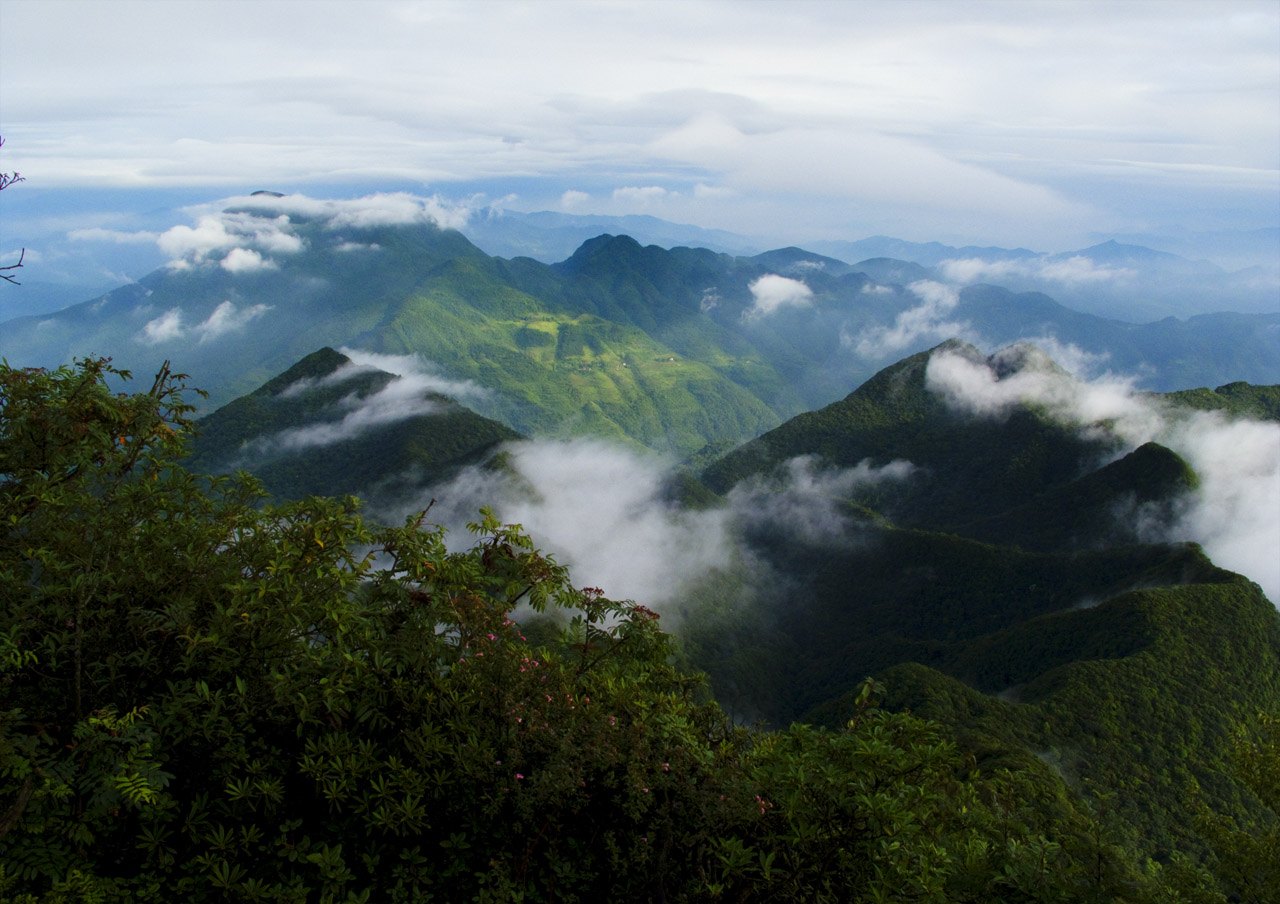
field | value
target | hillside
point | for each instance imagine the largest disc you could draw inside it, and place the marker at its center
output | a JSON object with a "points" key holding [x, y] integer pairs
{"points": [[327, 426], [1010, 582]]}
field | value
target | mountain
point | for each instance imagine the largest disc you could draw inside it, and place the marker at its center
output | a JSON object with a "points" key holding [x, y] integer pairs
{"points": [[550, 236], [1118, 280], [1005, 574], [681, 349], [928, 254], [328, 426]]}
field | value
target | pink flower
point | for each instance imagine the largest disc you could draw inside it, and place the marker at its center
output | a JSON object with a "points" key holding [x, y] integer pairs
{"points": [[519, 776]]}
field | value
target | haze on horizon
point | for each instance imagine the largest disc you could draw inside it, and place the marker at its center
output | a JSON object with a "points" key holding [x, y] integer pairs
{"points": [[1045, 125]]}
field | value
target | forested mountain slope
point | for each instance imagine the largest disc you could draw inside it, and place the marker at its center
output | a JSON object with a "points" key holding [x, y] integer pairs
{"points": [[1014, 581], [330, 427]]}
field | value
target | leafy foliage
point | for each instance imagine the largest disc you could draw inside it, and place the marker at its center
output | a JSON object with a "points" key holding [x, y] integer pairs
{"points": [[204, 699]]}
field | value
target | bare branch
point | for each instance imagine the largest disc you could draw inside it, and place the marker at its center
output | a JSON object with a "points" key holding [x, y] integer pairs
{"points": [[9, 277]]}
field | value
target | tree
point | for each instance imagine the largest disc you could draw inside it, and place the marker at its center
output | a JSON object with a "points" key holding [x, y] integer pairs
{"points": [[207, 698], [6, 180]]}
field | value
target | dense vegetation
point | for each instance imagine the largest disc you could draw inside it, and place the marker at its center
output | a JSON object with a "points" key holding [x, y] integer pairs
{"points": [[205, 698], [997, 590]]}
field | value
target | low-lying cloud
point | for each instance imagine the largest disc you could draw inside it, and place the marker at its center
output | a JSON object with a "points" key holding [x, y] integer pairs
{"points": [[600, 509], [414, 391], [1071, 271], [804, 497], [367, 212], [246, 260], [1235, 511], [225, 318], [927, 321], [243, 236], [163, 328], [228, 231], [605, 511], [771, 293]]}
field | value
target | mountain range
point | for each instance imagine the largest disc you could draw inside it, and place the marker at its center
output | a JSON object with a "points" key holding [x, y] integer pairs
{"points": [[1072, 575], [1011, 571], [684, 350]]}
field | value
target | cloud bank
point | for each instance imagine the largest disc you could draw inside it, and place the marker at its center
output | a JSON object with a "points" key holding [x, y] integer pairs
{"points": [[987, 120], [1071, 271], [244, 234], [1234, 513]]}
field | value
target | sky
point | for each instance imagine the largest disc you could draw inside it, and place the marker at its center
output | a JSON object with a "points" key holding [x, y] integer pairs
{"points": [[1039, 124]]}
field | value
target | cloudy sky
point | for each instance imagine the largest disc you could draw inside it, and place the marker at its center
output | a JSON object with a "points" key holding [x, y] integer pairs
{"points": [[1043, 124]]}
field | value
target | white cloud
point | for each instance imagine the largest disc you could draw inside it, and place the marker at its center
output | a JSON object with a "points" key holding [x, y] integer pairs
{"points": [[1076, 270], [1072, 271], [227, 318], [704, 192], [246, 260], [392, 404], [1234, 513], [249, 228], [418, 376], [770, 293], [113, 236], [163, 328], [229, 230], [642, 195], [349, 247], [366, 212], [927, 321], [601, 510], [208, 235], [803, 498], [604, 511], [413, 392], [573, 198]]}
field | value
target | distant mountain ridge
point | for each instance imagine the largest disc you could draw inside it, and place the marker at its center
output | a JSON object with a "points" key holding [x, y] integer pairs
{"points": [[675, 349]]}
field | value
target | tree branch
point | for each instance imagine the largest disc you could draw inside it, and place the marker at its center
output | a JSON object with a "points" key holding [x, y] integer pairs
{"points": [[9, 277]]}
